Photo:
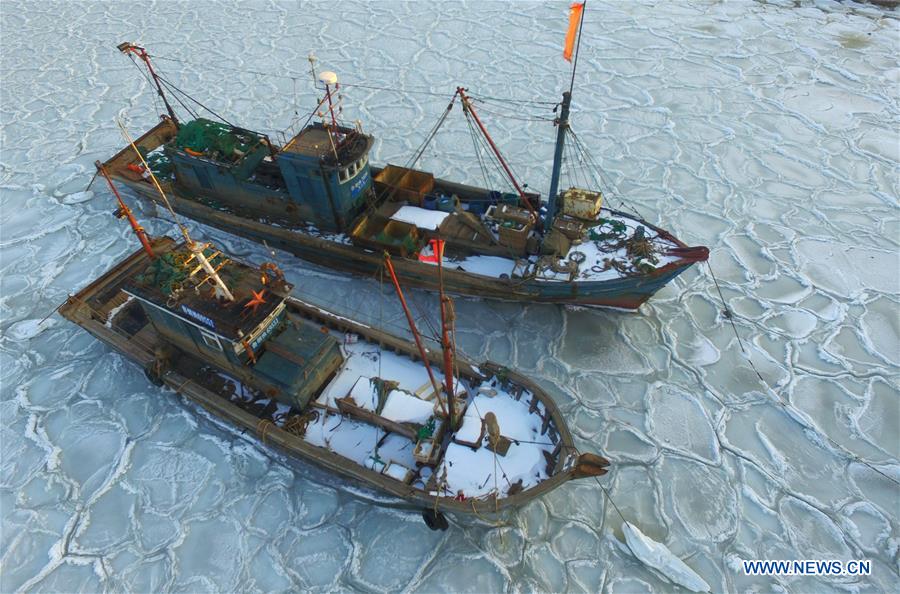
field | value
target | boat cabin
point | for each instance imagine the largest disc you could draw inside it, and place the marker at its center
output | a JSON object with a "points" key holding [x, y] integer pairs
{"points": [[327, 173], [321, 176], [250, 337]]}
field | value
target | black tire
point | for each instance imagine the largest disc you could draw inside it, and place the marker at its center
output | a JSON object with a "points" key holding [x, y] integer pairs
{"points": [[435, 520]]}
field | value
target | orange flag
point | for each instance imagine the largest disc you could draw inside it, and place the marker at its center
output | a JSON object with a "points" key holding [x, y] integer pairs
{"points": [[574, 20], [437, 252]]}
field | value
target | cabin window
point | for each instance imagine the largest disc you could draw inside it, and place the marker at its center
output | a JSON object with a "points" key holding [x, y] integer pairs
{"points": [[211, 340], [344, 175]]}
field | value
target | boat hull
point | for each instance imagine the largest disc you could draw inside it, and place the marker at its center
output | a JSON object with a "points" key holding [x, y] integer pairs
{"points": [[626, 293], [81, 309]]}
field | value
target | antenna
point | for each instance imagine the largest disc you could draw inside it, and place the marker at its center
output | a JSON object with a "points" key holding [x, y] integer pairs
{"points": [[312, 66], [195, 248]]}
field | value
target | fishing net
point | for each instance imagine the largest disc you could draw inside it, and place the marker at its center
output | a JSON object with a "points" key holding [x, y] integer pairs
{"points": [[167, 272], [203, 136], [160, 164], [406, 242]]}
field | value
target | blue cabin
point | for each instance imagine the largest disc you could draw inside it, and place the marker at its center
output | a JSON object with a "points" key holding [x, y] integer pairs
{"points": [[259, 346], [320, 177]]}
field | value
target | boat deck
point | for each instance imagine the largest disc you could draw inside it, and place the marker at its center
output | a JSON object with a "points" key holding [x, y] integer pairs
{"points": [[538, 452]]}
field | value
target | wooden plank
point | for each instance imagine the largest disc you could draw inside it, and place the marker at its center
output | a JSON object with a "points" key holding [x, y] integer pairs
{"points": [[347, 407]]}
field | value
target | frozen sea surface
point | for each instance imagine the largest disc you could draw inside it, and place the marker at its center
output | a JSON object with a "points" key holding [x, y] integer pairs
{"points": [[767, 131]]}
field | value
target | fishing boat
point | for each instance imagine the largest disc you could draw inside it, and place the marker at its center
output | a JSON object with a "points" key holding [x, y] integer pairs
{"points": [[355, 400], [317, 196]]}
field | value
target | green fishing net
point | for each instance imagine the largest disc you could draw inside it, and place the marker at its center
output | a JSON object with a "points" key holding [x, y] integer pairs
{"points": [[167, 272], [203, 136]]}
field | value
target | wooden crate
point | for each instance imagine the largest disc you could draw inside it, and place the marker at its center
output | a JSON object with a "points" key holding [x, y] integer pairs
{"points": [[400, 184]]}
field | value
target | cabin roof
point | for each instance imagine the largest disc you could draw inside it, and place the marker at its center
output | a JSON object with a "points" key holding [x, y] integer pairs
{"points": [[313, 142], [168, 284]]}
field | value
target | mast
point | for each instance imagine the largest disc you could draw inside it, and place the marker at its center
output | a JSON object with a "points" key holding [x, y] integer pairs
{"points": [[125, 212], [563, 122], [562, 128], [415, 332], [467, 106], [130, 48], [446, 346], [329, 78]]}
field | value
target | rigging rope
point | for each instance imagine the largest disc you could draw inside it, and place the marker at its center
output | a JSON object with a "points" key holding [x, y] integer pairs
{"points": [[434, 130], [478, 150], [511, 101], [178, 99], [797, 415], [523, 118], [360, 85], [176, 89], [605, 184], [149, 82]]}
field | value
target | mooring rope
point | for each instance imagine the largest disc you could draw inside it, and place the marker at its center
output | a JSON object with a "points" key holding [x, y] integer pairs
{"points": [[809, 426]]}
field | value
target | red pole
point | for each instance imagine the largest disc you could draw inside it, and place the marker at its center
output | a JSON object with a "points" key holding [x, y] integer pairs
{"points": [[331, 108], [412, 326], [468, 105], [123, 208]]}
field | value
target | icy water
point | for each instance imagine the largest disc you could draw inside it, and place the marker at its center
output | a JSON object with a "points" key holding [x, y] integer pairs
{"points": [[767, 131]]}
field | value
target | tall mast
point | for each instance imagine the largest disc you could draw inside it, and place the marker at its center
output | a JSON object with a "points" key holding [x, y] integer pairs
{"points": [[562, 128], [329, 78], [415, 332], [563, 124], [130, 48], [467, 107], [446, 347], [124, 211]]}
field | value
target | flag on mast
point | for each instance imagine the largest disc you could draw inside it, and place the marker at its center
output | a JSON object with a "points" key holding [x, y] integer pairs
{"points": [[572, 33]]}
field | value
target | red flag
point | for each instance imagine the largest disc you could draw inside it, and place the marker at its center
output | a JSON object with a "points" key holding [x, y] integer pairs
{"points": [[436, 252], [574, 20]]}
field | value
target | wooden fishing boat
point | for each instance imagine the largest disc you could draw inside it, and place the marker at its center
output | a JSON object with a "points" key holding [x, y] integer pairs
{"points": [[353, 399], [318, 197]]}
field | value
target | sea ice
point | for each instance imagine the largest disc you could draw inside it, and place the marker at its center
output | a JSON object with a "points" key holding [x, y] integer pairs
{"points": [[763, 130], [657, 556]]}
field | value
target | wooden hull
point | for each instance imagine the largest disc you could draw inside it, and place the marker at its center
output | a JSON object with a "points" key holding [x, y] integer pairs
{"points": [[627, 292], [82, 310]]}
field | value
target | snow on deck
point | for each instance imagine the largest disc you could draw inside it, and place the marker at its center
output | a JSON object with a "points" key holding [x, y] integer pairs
{"points": [[403, 407], [351, 439], [493, 266], [475, 473], [366, 360], [420, 217], [479, 472], [591, 269]]}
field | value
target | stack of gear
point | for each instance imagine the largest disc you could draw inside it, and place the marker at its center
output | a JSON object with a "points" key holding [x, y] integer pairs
{"points": [[203, 136], [167, 272]]}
